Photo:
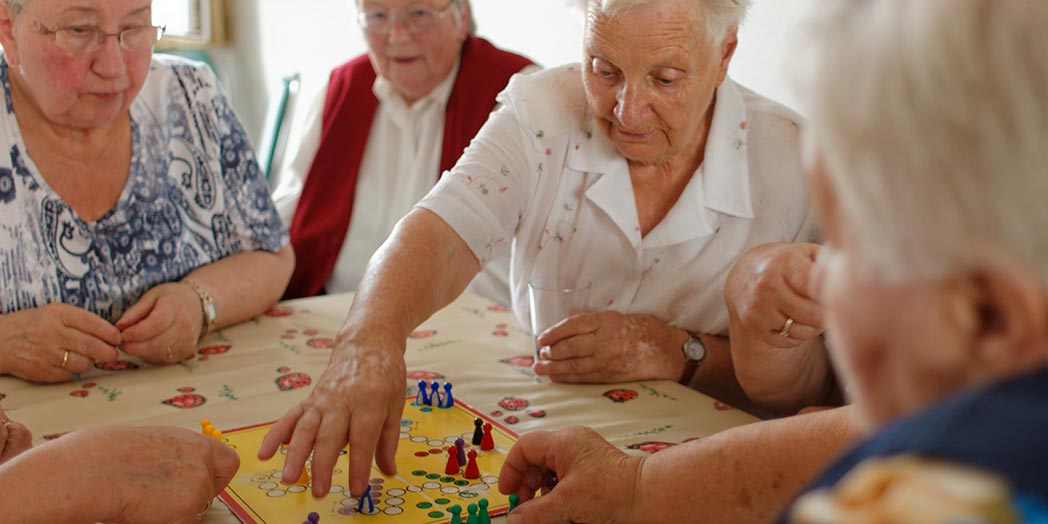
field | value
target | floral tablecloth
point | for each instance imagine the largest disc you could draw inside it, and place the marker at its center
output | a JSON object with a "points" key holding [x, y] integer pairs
{"points": [[251, 373]]}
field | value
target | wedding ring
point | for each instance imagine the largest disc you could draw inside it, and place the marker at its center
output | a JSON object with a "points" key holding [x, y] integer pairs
{"points": [[65, 358], [785, 332], [171, 357]]}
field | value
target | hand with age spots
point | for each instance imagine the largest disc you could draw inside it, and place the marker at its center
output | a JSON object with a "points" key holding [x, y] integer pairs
{"points": [[608, 346], [578, 458], [55, 342]]}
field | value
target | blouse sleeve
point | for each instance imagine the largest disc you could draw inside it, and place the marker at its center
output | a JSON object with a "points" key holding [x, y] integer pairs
{"points": [[253, 222], [484, 197]]}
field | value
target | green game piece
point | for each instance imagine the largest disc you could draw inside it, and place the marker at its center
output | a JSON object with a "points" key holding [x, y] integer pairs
{"points": [[419, 472], [482, 516], [513, 500], [442, 501], [424, 505], [472, 518], [456, 514]]}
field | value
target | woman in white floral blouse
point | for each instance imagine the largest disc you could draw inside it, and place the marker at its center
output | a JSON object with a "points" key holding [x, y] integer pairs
{"points": [[133, 215]]}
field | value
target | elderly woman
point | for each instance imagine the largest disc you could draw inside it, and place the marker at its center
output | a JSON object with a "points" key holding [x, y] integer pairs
{"points": [[934, 278], [644, 171], [132, 212], [383, 129], [111, 475]]}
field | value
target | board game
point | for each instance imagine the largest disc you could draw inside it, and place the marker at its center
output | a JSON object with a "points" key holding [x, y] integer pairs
{"points": [[421, 492]]}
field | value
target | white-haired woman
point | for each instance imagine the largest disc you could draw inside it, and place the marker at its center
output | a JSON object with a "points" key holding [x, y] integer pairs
{"points": [[932, 184], [644, 171], [133, 215]]}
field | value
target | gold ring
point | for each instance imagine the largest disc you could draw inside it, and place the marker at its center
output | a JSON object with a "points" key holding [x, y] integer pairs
{"points": [[170, 355], [65, 358], [6, 423], [785, 332]]}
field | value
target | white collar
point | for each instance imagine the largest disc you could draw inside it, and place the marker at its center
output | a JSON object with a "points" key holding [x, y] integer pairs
{"points": [[721, 184]]}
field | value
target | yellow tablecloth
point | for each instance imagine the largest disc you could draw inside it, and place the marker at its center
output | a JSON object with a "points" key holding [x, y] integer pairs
{"points": [[251, 373]]}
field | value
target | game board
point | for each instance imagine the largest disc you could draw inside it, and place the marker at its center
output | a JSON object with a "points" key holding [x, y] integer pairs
{"points": [[420, 493]]}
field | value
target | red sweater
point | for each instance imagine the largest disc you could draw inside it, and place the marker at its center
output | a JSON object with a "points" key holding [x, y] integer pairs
{"points": [[322, 217]]}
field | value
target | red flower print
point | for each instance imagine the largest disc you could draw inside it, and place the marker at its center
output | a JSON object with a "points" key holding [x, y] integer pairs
{"points": [[513, 403], [620, 395], [651, 446], [283, 369], [116, 365], [511, 419], [80, 393], [311, 332], [499, 308], [293, 381], [279, 312], [186, 401], [186, 389], [496, 413], [523, 361], [500, 333], [88, 385], [537, 413], [214, 350], [422, 333], [425, 375], [321, 343]]}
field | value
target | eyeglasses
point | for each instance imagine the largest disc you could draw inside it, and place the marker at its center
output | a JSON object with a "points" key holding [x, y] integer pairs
{"points": [[380, 20], [88, 39]]}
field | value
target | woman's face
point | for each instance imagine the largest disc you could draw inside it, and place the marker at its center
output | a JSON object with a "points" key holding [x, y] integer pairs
{"points": [[416, 59], [77, 89], [650, 76]]}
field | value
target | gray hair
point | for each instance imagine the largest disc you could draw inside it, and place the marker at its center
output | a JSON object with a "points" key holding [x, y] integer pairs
{"points": [[717, 16], [932, 117], [16, 5]]}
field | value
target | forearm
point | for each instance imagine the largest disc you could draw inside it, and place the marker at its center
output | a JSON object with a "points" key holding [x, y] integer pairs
{"points": [[783, 380], [715, 376], [421, 268], [45, 470], [246, 284], [746, 474]]}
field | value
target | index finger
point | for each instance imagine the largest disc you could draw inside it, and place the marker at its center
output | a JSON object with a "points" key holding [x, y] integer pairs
{"points": [[574, 325], [89, 323]]}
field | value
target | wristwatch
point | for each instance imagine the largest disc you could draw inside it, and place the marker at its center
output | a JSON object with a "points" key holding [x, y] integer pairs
{"points": [[206, 305], [695, 351]]}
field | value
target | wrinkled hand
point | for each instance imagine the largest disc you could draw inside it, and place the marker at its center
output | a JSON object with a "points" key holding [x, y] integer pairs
{"points": [[359, 399], [14, 438], [143, 475], [607, 346], [166, 317], [769, 284], [36, 341], [595, 482]]}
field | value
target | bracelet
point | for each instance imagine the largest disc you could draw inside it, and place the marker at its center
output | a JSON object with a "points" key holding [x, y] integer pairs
{"points": [[207, 305]]}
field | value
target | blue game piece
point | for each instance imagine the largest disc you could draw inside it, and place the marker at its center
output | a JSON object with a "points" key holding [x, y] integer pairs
{"points": [[460, 445], [448, 399], [472, 518], [366, 496], [422, 392], [434, 394], [313, 517]]}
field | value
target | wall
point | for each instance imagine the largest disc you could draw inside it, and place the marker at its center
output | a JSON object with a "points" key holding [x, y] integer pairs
{"points": [[271, 38]]}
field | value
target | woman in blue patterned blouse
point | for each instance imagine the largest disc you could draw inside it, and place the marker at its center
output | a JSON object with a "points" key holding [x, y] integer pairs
{"points": [[133, 215]]}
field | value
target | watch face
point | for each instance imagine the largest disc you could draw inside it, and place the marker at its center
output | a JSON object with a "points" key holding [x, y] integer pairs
{"points": [[694, 349]]}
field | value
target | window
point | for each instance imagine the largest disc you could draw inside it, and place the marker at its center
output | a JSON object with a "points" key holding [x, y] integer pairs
{"points": [[190, 22]]}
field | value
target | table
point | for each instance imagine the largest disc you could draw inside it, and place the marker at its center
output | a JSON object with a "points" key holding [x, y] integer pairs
{"points": [[252, 372]]}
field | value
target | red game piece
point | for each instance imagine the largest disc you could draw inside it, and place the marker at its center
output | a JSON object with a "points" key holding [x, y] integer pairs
{"points": [[487, 442], [472, 470], [453, 464]]}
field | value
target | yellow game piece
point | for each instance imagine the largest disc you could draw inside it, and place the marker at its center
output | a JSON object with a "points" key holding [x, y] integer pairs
{"points": [[209, 429], [217, 434], [304, 477], [204, 423]]}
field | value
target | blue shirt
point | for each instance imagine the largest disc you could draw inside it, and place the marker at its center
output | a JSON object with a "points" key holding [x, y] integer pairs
{"points": [[194, 195]]}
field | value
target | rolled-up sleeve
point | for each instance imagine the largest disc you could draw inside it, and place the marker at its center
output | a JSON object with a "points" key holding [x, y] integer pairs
{"points": [[484, 197]]}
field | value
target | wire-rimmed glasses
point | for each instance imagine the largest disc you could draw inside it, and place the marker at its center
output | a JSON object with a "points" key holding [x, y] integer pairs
{"points": [[88, 39], [379, 20]]}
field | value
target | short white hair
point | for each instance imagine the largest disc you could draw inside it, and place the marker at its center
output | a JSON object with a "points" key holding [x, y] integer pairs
{"points": [[16, 5], [932, 117], [717, 16]]}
